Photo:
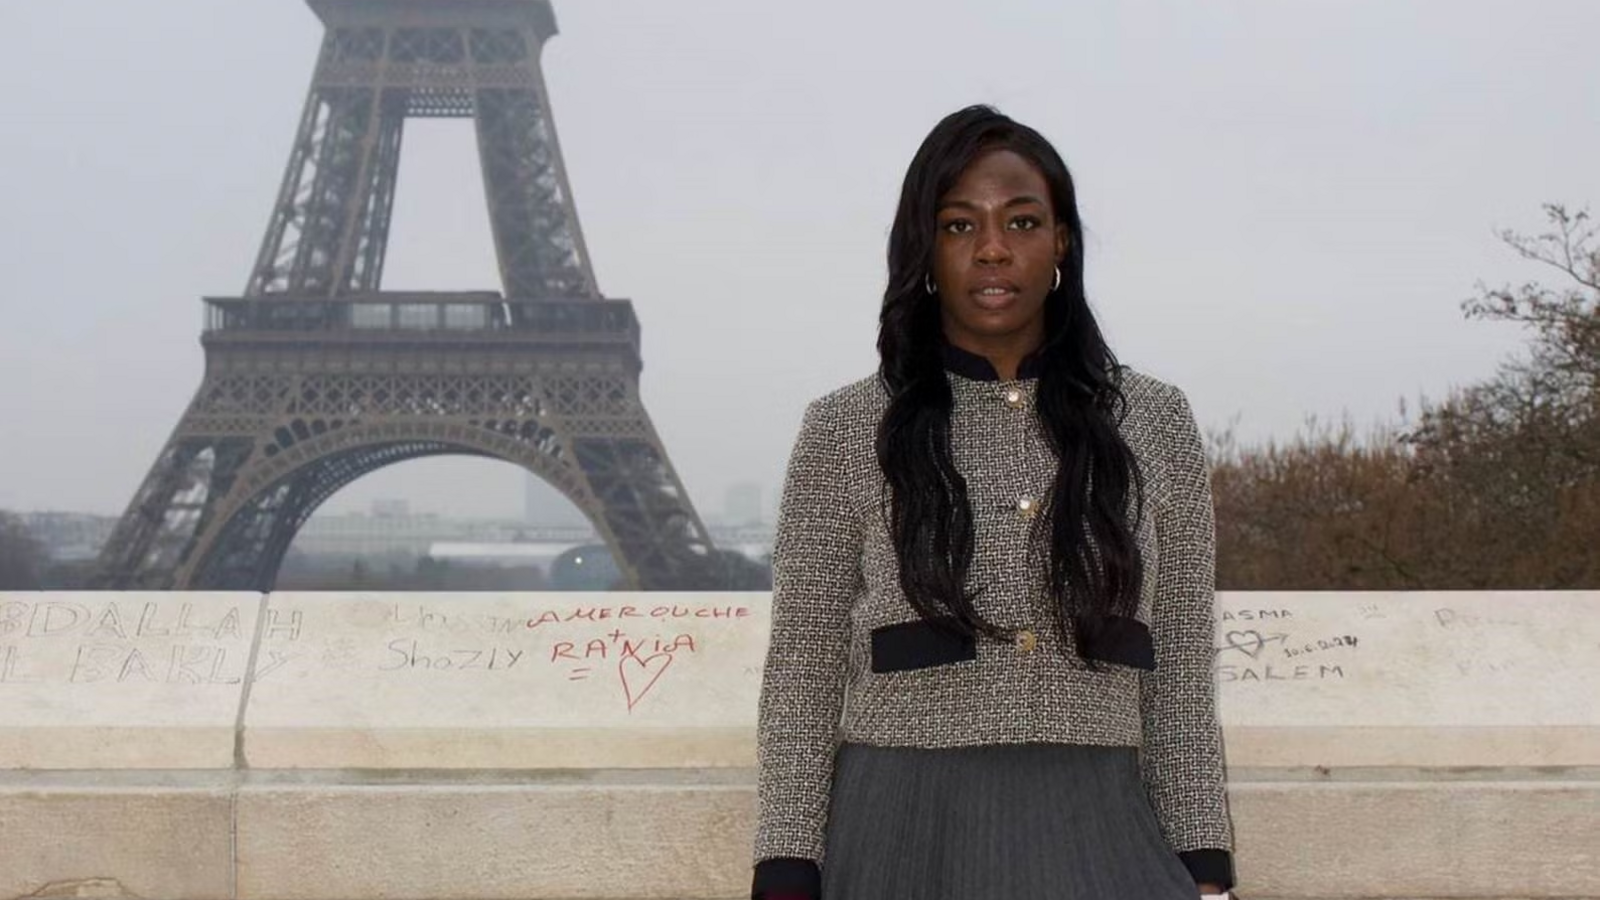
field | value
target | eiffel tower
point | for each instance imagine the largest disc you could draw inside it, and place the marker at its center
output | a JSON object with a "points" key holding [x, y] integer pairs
{"points": [[316, 376]]}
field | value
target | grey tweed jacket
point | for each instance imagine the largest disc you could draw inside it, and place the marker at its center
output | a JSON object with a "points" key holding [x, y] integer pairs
{"points": [[850, 660]]}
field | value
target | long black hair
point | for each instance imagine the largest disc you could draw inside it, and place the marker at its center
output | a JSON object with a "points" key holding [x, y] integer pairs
{"points": [[1095, 566]]}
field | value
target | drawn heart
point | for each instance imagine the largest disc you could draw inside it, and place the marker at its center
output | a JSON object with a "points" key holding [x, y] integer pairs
{"points": [[641, 681], [1250, 643]]}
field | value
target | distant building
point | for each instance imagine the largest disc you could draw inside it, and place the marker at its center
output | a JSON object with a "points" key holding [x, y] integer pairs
{"points": [[68, 536], [754, 541], [500, 555], [391, 509], [375, 533], [391, 529]]}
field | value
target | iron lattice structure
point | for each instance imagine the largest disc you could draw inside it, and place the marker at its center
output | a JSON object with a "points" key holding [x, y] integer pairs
{"points": [[316, 377]]}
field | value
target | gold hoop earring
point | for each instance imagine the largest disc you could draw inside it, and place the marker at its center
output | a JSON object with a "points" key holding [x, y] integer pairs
{"points": [[1057, 285]]}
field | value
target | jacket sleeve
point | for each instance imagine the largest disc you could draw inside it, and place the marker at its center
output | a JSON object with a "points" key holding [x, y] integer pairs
{"points": [[1181, 761], [816, 573]]}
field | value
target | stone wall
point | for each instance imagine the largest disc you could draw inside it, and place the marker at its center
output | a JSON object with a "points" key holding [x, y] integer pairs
{"points": [[321, 746]]}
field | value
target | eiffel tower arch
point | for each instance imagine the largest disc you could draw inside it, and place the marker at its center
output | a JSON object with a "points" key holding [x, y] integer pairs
{"points": [[317, 376]]}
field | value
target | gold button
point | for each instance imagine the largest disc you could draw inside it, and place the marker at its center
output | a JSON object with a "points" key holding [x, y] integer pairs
{"points": [[1027, 640], [1027, 507], [1014, 398]]}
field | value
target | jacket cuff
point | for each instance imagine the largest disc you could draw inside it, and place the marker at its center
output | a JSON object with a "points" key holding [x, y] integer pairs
{"points": [[1209, 866], [786, 875]]}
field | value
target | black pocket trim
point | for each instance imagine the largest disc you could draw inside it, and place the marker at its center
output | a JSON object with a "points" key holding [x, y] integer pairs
{"points": [[921, 644], [786, 875], [1123, 640]]}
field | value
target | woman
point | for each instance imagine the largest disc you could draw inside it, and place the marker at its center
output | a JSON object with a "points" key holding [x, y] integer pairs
{"points": [[990, 669]]}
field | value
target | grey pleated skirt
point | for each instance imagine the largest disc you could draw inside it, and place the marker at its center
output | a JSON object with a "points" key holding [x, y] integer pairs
{"points": [[1055, 821]]}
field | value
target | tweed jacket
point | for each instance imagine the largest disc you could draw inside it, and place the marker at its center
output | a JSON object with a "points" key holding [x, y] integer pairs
{"points": [[850, 660]]}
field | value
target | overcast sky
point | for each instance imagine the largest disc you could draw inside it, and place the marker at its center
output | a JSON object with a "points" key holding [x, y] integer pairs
{"points": [[1285, 201]]}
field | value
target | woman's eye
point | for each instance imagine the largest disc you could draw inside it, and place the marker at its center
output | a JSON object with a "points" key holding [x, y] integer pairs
{"points": [[1024, 223], [957, 226]]}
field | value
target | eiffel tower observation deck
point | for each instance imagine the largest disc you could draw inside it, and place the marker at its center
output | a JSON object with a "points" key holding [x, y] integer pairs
{"points": [[317, 376]]}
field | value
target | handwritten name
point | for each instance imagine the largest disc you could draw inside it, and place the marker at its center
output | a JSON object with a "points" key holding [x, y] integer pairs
{"points": [[58, 618], [1256, 615], [630, 649], [432, 619], [406, 654], [1273, 673], [109, 663], [659, 613]]}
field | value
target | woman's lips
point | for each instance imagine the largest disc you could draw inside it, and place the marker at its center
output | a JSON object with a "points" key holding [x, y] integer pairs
{"points": [[994, 297]]}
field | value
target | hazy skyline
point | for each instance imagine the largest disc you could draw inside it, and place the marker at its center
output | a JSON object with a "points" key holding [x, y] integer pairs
{"points": [[1285, 203]]}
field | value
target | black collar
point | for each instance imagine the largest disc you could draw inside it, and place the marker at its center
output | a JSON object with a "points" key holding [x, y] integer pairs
{"points": [[978, 368]]}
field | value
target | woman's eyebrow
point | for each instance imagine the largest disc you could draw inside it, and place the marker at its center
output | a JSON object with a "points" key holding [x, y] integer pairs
{"points": [[1019, 200]]}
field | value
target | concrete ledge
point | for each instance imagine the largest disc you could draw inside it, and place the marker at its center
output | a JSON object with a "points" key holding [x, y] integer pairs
{"points": [[537, 681], [1405, 839], [487, 843], [99, 746], [157, 843], [558, 747], [667, 835], [1437, 747], [533, 748], [123, 680]]}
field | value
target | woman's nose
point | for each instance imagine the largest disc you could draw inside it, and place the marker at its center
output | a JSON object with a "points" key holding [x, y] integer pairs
{"points": [[992, 249]]}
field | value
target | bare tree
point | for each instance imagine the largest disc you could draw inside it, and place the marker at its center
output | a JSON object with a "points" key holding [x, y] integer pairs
{"points": [[1497, 486], [1515, 459]]}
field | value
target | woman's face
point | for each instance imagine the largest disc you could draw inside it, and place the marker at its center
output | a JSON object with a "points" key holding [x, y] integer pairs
{"points": [[996, 247]]}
